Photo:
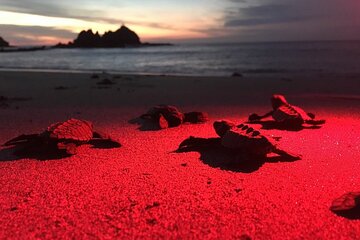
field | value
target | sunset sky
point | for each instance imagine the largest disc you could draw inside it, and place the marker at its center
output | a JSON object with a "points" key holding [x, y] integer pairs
{"points": [[29, 22]]}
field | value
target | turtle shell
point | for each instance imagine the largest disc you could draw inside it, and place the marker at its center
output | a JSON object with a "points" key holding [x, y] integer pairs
{"points": [[196, 117], [290, 114], [71, 130], [247, 139]]}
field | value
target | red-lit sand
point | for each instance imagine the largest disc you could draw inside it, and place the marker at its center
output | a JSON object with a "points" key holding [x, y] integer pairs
{"points": [[144, 190]]}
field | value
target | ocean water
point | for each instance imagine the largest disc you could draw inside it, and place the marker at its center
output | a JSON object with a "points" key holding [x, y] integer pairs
{"points": [[337, 57]]}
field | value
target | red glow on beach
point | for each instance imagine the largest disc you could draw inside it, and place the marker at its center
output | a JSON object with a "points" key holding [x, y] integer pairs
{"points": [[147, 189]]}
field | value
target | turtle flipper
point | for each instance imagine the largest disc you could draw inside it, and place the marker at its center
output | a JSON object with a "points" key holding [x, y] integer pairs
{"points": [[70, 148], [193, 143], [287, 155], [146, 116], [100, 135], [255, 117], [311, 115], [24, 138], [315, 122], [104, 140]]}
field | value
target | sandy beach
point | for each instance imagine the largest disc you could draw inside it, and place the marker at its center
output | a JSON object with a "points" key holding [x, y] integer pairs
{"points": [[145, 190]]}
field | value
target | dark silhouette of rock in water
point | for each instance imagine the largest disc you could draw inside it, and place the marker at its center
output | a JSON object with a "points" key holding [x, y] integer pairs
{"points": [[123, 37], [120, 38], [3, 43], [87, 39]]}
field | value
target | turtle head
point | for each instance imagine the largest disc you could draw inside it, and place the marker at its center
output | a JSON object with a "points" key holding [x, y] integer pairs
{"points": [[278, 100], [221, 127]]}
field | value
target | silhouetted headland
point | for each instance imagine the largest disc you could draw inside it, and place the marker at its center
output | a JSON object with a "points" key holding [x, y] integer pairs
{"points": [[3, 43], [6, 47], [123, 37]]}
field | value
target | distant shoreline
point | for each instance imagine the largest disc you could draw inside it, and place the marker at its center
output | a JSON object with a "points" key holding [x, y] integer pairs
{"points": [[22, 49], [285, 61], [42, 48], [79, 71]]}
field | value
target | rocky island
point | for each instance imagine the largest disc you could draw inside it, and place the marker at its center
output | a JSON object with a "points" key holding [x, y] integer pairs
{"points": [[3, 43], [123, 37], [6, 47]]}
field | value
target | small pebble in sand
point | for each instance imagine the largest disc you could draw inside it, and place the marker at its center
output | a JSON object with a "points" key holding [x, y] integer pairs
{"points": [[3, 98], [14, 209], [61, 88], [155, 204], [236, 74], [245, 237], [106, 81], [3, 102], [95, 76], [151, 221]]}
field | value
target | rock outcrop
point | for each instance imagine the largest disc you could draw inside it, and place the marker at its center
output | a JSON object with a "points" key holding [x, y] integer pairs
{"points": [[3, 43], [87, 39], [120, 38]]}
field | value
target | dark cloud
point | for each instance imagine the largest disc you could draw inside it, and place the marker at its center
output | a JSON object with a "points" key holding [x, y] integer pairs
{"points": [[270, 13], [62, 9], [267, 14], [293, 19], [238, 1], [34, 7], [29, 34], [246, 20]]}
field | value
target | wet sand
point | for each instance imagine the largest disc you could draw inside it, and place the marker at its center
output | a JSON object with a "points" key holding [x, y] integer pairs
{"points": [[145, 190]]}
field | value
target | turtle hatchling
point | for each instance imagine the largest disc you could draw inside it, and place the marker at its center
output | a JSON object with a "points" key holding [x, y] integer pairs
{"points": [[347, 205], [246, 139], [241, 139], [287, 114], [62, 138], [169, 116], [170, 113]]}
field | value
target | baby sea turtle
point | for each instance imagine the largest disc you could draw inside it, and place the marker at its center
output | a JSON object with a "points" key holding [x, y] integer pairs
{"points": [[348, 205], [242, 139], [62, 138], [287, 114], [170, 113], [169, 116], [247, 139], [196, 117]]}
